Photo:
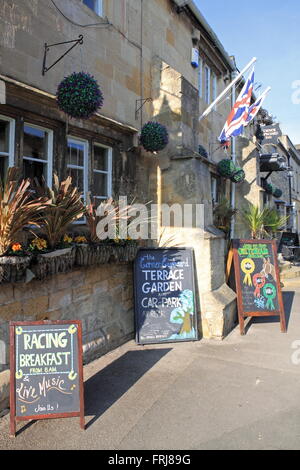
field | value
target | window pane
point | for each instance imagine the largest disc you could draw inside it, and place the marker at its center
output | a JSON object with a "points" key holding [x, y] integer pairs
{"points": [[32, 169], [90, 3], [75, 153], [35, 143], [77, 178], [3, 166], [100, 184], [4, 136], [100, 158]]}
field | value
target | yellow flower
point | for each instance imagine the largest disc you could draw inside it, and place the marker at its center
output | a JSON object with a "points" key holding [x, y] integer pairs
{"points": [[80, 239], [39, 243], [16, 247], [68, 239]]}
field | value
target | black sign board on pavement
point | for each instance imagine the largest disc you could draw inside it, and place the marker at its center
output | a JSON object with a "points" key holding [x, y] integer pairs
{"points": [[257, 281], [165, 306], [46, 371]]}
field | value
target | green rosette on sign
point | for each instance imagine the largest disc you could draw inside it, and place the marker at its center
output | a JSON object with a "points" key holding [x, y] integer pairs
{"points": [[269, 292]]}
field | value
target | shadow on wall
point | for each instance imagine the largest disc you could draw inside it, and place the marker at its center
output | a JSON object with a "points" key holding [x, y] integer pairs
{"points": [[107, 386]]}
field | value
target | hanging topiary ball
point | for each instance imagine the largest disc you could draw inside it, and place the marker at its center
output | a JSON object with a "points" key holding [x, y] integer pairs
{"points": [[154, 137], [277, 193], [226, 168], [79, 95], [238, 176], [269, 188]]}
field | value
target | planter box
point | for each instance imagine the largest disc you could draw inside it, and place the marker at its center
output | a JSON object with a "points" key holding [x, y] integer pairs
{"points": [[90, 255], [58, 261], [13, 268], [124, 254]]}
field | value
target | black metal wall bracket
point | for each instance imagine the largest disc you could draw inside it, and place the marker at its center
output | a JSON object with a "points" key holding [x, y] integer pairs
{"points": [[75, 43], [143, 101]]}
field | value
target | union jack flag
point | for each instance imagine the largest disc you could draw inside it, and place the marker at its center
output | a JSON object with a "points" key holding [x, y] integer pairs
{"points": [[253, 110], [236, 120]]}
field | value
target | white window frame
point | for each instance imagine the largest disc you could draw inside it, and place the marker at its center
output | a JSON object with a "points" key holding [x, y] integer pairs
{"points": [[107, 172], [98, 9], [207, 84], [49, 161], [214, 88], [85, 167], [11, 143], [200, 78]]}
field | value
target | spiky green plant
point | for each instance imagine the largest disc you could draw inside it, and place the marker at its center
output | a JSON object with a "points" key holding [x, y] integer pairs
{"points": [[66, 207], [274, 222], [223, 213], [18, 208], [254, 219]]}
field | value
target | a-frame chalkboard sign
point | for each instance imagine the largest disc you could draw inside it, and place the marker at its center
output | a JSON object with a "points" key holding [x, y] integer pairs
{"points": [[46, 371], [257, 281]]}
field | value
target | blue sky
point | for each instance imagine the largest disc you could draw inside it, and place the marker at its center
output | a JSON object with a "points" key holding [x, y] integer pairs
{"points": [[270, 31]]}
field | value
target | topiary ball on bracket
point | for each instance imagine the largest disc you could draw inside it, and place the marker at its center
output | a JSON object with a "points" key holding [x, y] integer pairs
{"points": [[269, 188], [277, 193], [154, 137], [79, 95], [238, 176], [226, 168]]}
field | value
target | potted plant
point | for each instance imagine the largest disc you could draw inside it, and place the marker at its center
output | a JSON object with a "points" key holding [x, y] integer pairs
{"points": [[18, 209], [65, 207]]}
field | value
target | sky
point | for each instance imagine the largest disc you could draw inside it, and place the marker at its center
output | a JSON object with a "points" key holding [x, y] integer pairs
{"points": [[270, 31]]}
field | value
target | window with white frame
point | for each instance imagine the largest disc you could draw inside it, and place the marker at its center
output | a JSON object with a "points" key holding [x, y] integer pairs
{"points": [[95, 5], [207, 84], [102, 173], [200, 78], [214, 88], [7, 143], [37, 153], [77, 164]]}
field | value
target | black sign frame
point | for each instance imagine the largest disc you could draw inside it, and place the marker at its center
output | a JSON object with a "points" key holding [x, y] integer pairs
{"points": [[13, 417], [138, 339]]}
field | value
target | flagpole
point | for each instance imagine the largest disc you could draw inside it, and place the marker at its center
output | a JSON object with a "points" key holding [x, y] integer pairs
{"points": [[233, 157], [231, 85]]}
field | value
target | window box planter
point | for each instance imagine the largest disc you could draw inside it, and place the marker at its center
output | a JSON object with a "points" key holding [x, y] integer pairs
{"points": [[13, 268], [90, 255], [54, 262], [125, 253]]}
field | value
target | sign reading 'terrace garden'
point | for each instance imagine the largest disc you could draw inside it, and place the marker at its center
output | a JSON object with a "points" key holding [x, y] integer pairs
{"points": [[46, 371], [257, 281], [165, 307]]}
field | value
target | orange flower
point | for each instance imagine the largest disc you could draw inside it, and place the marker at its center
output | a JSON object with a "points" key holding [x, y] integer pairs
{"points": [[16, 247]]}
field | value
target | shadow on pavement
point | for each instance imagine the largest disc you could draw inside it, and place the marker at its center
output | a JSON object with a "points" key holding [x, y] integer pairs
{"points": [[104, 388], [288, 299]]}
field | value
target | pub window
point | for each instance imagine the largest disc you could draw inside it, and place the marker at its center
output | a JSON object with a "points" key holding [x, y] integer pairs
{"points": [[102, 173], [215, 190], [95, 5], [77, 164], [7, 143], [37, 153], [207, 84]]}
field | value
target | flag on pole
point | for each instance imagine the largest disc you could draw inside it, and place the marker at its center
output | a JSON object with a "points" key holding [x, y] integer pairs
{"points": [[236, 120], [253, 110]]}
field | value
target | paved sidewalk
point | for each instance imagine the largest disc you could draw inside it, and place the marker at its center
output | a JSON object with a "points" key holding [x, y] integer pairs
{"points": [[242, 393]]}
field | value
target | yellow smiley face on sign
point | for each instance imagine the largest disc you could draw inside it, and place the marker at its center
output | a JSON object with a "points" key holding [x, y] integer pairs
{"points": [[248, 266]]}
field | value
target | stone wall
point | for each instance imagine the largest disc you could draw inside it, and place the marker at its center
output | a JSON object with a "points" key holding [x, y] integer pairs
{"points": [[101, 297]]}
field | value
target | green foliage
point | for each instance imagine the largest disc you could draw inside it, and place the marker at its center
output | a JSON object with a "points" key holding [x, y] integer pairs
{"points": [[17, 208], [223, 213], [274, 222], [277, 193], [226, 168], [154, 136], [238, 176], [262, 222]]}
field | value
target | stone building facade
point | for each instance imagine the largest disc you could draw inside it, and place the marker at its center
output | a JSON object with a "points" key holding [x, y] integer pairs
{"points": [[140, 53]]}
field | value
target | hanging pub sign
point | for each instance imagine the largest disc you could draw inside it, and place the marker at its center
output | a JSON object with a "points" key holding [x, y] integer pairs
{"points": [[46, 372], [165, 307], [257, 281]]}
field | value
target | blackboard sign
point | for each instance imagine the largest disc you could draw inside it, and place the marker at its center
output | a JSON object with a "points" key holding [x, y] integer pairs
{"points": [[257, 281], [165, 307], [46, 370]]}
